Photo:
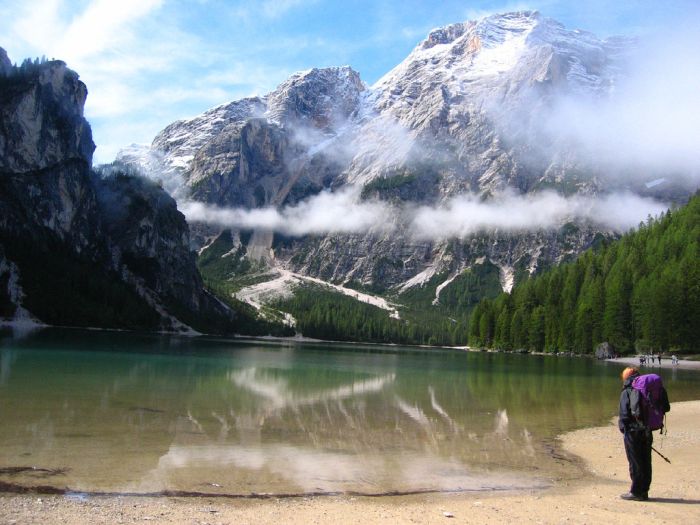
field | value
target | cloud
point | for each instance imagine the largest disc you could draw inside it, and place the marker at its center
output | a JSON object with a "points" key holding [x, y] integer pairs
{"points": [[459, 217], [102, 25], [467, 214], [648, 122], [327, 212], [39, 24]]}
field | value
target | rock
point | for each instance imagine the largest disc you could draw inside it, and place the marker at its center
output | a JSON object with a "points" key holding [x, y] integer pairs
{"points": [[604, 351], [5, 63], [319, 98], [41, 120]]}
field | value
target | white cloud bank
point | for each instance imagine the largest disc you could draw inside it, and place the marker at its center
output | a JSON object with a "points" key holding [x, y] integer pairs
{"points": [[326, 212], [467, 214], [649, 122], [459, 217]]}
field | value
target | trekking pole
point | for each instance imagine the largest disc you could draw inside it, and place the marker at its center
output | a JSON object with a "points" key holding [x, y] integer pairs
{"points": [[660, 454]]}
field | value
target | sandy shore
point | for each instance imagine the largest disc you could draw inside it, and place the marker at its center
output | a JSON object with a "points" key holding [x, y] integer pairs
{"points": [[675, 495], [665, 363]]}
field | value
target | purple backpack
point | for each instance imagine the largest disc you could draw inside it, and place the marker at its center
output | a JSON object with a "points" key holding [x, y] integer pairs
{"points": [[651, 411]]}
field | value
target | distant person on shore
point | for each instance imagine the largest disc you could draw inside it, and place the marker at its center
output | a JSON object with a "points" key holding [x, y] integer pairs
{"points": [[637, 435]]}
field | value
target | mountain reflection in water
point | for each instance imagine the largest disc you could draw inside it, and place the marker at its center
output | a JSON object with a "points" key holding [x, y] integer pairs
{"points": [[328, 441], [134, 413]]}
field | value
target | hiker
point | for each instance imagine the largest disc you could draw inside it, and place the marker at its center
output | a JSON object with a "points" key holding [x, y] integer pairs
{"points": [[637, 435]]}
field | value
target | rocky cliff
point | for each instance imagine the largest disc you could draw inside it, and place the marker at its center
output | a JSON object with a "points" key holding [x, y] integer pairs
{"points": [[77, 248]]}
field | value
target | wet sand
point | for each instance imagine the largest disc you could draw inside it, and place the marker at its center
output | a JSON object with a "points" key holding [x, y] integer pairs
{"points": [[674, 495]]}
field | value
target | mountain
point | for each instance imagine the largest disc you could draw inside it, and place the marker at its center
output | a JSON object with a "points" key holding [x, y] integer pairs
{"points": [[77, 247], [462, 115]]}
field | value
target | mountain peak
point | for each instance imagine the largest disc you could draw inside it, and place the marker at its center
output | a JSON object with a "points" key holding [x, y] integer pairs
{"points": [[317, 96], [478, 58], [322, 74], [486, 27], [443, 35]]}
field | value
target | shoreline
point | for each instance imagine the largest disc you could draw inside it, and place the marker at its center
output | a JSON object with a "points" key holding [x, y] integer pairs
{"points": [[674, 495], [665, 363], [26, 328]]}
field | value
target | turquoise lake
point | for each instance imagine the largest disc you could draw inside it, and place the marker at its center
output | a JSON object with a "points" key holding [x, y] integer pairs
{"points": [[118, 412]]}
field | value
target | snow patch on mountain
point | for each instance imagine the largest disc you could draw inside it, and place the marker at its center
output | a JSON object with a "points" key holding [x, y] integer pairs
{"points": [[506, 276], [283, 284], [442, 286], [419, 279]]}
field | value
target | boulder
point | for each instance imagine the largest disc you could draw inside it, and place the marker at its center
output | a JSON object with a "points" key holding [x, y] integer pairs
{"points": [[604, 350]]}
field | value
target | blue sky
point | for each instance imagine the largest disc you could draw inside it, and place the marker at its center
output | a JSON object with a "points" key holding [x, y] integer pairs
{"points": [[149, 62]]}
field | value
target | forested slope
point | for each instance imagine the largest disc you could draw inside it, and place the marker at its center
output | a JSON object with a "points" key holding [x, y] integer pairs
{"points": [[640, 293]]}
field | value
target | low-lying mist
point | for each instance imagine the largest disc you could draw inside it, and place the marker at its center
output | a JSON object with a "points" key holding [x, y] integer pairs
{"points": [[458, 217]]}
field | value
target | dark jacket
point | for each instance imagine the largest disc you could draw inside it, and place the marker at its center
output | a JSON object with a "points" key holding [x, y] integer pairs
{"points": [[630, 417]]}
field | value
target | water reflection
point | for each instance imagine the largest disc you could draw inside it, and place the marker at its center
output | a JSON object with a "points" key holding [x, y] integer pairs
{"points": [[284, 468], [330, 440], [7, 358], [277, 395], [202, 415]]}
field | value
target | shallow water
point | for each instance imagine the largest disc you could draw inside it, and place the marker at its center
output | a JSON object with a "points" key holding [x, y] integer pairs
{"points": [[121, 412]]}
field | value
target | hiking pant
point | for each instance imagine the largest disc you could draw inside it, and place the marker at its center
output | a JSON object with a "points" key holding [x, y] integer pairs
{"points": [[638, 449]]}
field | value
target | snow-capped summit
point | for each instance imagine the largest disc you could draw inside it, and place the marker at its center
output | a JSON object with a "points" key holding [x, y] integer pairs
{"points": [[172, 151], [496, 58]]}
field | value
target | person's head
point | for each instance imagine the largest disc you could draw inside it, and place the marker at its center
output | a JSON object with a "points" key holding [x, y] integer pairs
{"points": [[628, 372]]}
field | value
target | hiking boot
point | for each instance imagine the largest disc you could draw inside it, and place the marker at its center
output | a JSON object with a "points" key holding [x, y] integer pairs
{"points": [[631, 496]]}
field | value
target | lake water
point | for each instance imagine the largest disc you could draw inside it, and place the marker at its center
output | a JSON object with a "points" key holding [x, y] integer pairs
{"points": [[125, 413]]}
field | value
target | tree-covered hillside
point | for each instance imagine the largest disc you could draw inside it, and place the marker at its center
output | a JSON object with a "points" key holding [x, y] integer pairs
{"points": [[324, 313], [640, 293]]}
